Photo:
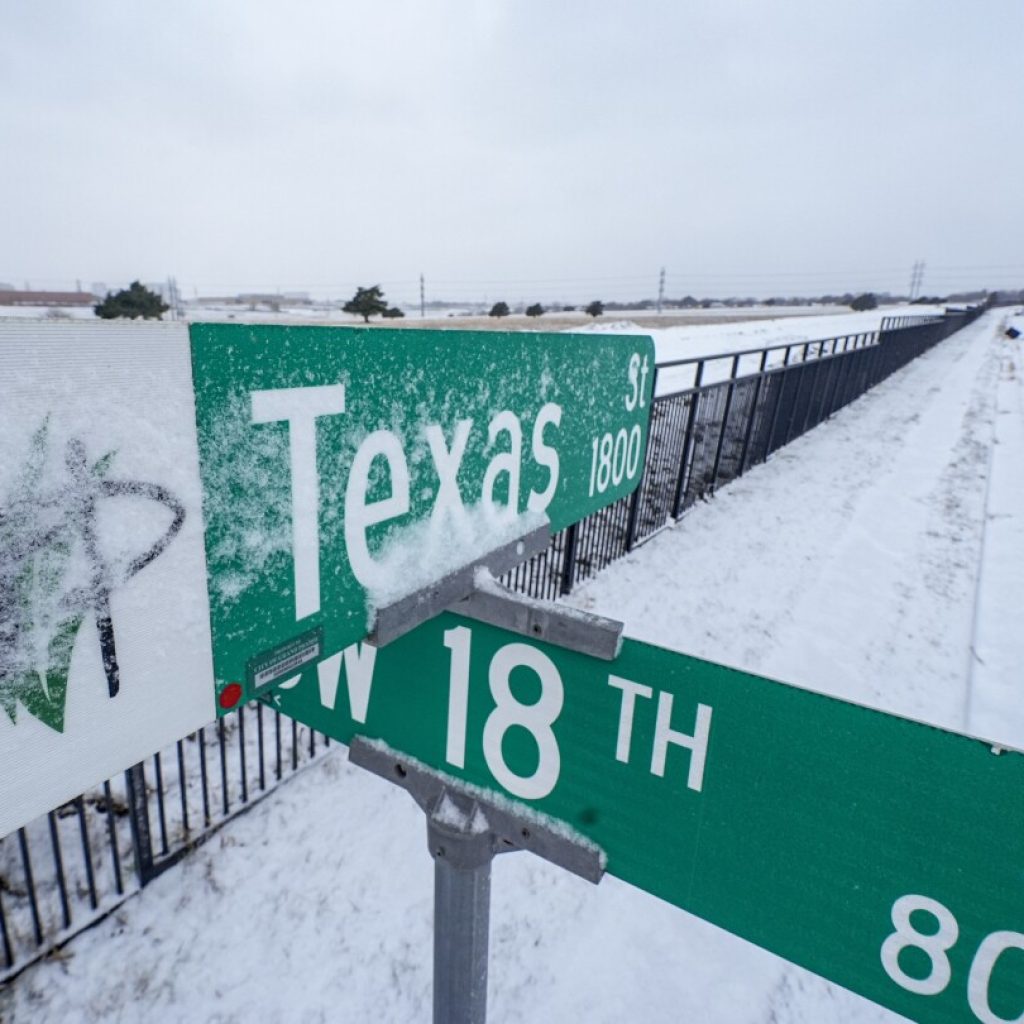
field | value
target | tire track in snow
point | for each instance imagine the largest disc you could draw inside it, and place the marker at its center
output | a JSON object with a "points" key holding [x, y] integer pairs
{"points": [[995, 676], [904, 569]]}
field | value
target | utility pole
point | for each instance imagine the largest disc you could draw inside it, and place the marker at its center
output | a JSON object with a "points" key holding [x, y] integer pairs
{"points": [[916, 278], [423, 299], [661, 289], [174, 298]]}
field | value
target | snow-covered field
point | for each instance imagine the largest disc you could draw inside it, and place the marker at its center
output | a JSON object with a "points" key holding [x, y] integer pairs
{"points": [[722, 330], [877, 558], [691, 341]]}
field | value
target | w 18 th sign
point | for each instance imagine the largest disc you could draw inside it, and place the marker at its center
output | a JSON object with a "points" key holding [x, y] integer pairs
{"points": [[880, 853], [191, 513]]}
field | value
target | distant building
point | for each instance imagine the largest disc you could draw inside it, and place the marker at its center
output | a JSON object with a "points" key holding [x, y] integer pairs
{"points": [[18, 297]]}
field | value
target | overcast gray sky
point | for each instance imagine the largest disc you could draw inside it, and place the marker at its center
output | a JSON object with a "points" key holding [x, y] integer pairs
{"points": [[513, 148]]}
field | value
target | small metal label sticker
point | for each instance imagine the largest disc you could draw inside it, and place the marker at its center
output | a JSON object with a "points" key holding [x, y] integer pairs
{"points": [[286, 659]]}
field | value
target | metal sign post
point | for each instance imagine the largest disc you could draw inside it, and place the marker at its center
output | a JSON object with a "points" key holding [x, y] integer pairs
{"points": [[466, 828]]}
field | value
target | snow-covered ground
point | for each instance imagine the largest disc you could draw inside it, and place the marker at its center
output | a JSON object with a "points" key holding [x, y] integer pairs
{"points": [[848, 564]]}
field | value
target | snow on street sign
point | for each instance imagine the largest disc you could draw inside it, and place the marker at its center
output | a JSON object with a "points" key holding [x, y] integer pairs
{"points": [[882, 854], [344, 468], [328, 465]]}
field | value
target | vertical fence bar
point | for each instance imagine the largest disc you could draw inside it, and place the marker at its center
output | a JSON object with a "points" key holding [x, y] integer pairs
{"points": [[241, 755], [58, 869], [768, 449], [183, 787], [808, 413], [569, 559], [634, 508], [684, 456], [225, 798], [831, 387], [160, 809], [205, 777], [83, 828], [259, 744], [849, 375], [801, 374], [138, 815], [30, 885], [5, 935], [753, 413], [115, 853], [725, 422], [277, 736]]}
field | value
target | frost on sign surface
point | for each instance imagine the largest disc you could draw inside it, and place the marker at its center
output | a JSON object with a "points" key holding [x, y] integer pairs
{"points": [[56, 575]]}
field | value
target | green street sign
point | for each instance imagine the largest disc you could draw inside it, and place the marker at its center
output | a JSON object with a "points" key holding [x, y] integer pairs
{"points": [[344, 468], [882, 854]]}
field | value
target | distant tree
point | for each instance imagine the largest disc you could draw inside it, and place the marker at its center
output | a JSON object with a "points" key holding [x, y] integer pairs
{"points": [[535, 310], [132, 302], [392, 313], [366, 303], [864, 302], [596, 308], [499, 309]]}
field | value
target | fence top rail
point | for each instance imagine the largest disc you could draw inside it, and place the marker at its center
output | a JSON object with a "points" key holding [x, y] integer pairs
{"points": [[901, 320], [917, 321], [769, 371], [712, 357]]}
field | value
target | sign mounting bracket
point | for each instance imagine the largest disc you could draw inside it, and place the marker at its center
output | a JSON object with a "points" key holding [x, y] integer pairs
{"points": [[404, 615], [571, 628]]}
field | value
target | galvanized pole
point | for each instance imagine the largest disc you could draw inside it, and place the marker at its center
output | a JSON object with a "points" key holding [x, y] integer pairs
{"points": [[462, 913]]}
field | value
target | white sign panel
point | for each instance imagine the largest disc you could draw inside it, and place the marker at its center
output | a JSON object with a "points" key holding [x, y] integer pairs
{"points": [[105, 652]]}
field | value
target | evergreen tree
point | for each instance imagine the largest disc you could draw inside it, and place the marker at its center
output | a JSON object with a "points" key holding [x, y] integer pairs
{"points": [[596, 308], [132, 302], [535, 310], [499, 309], [366, 302], [864, 302]]}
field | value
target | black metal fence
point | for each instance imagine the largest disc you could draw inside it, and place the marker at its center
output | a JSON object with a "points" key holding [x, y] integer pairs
{"points": [[713, 418]]}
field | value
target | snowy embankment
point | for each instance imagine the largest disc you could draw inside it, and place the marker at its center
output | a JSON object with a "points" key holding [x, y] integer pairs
{"points": [[849, 564]]}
